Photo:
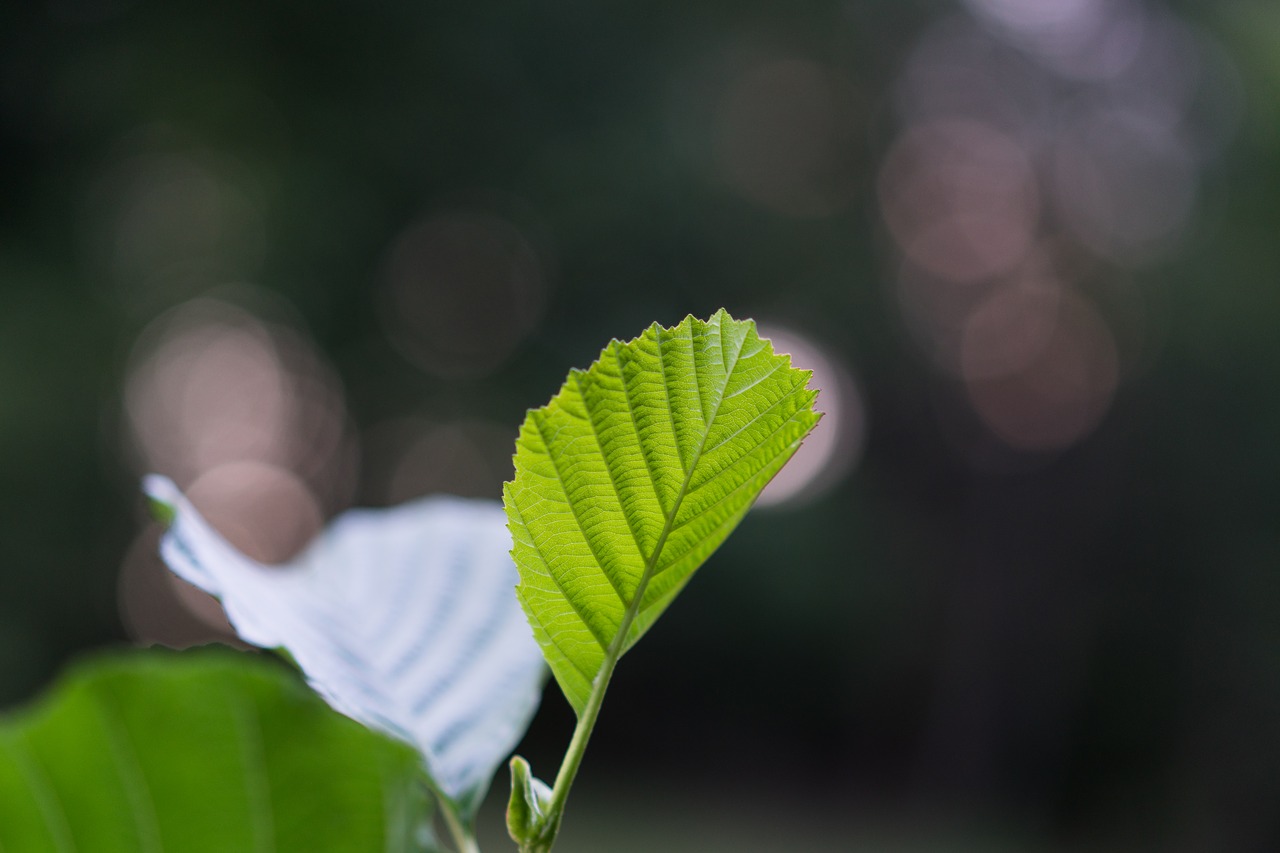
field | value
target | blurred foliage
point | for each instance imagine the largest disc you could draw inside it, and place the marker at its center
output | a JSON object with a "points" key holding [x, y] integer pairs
{"points": [[1086, 643], [203, 751]]}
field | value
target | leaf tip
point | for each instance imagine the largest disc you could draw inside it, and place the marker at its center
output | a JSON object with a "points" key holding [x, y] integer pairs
{"points": [[162, 498], [165, 513]]}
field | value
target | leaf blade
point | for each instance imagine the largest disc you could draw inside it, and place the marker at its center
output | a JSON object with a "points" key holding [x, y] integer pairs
{"points": [[634, 474], [142, 753]]}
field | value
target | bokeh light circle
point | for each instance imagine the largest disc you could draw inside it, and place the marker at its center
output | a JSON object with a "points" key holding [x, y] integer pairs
{"points": [[832, 450], [209, 384], [1058, 396], [960, 198], [461, 289]]}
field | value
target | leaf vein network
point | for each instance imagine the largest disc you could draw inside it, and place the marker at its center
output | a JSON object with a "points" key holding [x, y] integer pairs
{"points": [[538, 419], [617, 490], [574, 605]]}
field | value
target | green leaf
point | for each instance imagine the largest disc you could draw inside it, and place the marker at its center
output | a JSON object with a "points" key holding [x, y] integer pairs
{"points": [[200, 751], [528, 805], [633, 474]]}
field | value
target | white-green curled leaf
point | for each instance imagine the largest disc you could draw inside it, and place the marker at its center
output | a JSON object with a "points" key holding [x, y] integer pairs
{"points": [[635, 472], [403, 619]]}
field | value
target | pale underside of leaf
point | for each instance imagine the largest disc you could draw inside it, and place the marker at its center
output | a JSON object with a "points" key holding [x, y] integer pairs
{"points": [[403, 619], [149, 753], [636, 472]]}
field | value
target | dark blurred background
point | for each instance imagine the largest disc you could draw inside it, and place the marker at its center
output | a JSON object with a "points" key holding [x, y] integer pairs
{"points": [[1020, 590]]}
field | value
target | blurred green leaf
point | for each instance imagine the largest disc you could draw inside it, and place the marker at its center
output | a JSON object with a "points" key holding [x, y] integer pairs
{"points": [[633, 474], [200, 751]]}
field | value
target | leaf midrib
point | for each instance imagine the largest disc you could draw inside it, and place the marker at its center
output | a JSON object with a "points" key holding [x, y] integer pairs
{"points": [[132, 777], [45, 793], [256, 778], [633, 607]]}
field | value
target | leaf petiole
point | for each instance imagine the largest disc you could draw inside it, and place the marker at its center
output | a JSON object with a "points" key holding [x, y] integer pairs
{"points": [[578, 745], [462, 838], [591, 711]]}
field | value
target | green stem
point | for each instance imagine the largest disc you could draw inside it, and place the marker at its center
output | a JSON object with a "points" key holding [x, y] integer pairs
{"points": [[462, 839], [587, 719], [578, 745]]}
